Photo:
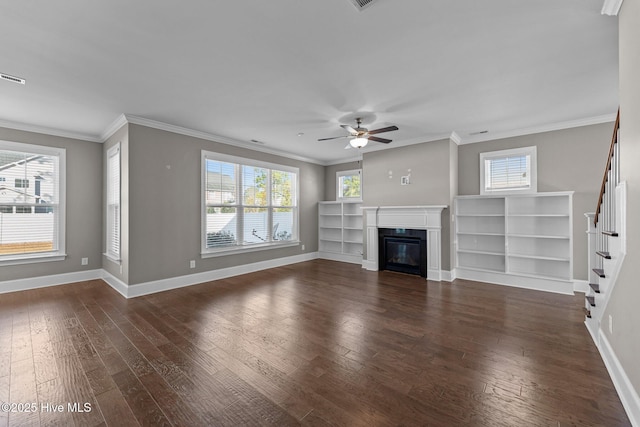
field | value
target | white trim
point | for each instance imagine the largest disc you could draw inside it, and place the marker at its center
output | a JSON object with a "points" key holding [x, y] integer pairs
{"points": [[564, 287], [215, 138], [611, 7], [207, 276], [348, 173], [447, 276], [114, 127], [33, 258], [531, 152], [46, 281], [581, 286], [235, 250], [341, 257], [455, 138], [607, 118], [628, 395], [26, 127], [132, 291]]}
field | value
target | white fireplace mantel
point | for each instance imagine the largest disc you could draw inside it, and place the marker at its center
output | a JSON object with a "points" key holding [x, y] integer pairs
{"points": [[409, 217]]}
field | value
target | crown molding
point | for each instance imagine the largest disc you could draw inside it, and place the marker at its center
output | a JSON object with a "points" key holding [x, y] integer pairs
{"points": [[455, 138], [136, 120], [611, 7], [539, 129], [120, 121], [48, 131]]}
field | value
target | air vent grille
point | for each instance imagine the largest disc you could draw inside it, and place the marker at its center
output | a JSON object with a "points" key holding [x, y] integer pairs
{"points": [[14, 79], [362, 4]]}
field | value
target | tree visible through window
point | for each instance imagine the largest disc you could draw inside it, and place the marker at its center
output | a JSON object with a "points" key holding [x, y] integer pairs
{"points": [[349, 184], [247, 203]]}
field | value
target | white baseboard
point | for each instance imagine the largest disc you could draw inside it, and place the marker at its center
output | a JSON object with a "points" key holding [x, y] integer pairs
{"points": [[51, 280], [628, 395], [332, 256], [518, 281], [581, 286], [447, 276], [131, 291], [207, 276]]}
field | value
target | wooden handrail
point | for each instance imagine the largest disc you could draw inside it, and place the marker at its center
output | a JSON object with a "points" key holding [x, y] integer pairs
{"points": [[614, 140]]}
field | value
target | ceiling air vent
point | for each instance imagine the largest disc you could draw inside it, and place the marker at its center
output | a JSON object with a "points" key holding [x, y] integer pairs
{"points": [[14, 79], [362, 4]]}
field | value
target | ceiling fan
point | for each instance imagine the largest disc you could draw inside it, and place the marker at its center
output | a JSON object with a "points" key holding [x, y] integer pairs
{"points": [[361, 136]]}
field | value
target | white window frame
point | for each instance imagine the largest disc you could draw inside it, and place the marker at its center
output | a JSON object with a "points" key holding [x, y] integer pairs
{"points": [[111, 251], [239, 247], [59, 241], [351, 172], [530, 152]]}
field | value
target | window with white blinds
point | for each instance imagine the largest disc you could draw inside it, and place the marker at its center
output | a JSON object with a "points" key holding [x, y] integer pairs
{"points": [[508, 171], [113, 203], [31, 203], [247, 204]]}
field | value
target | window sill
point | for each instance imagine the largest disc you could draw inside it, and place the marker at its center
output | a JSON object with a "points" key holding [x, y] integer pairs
{"points": [[117, 261], [234, 250], [32, 258]]}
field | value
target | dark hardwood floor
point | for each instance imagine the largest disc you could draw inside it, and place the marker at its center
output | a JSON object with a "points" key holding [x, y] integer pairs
{"points": [[316, 343]]}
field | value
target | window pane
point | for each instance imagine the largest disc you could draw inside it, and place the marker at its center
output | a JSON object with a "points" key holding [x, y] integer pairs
{"points": [[23, 232], [508, 172], [254, 186], [221, 183], [28, 200], [256, 225], [283, 223], [221, 226], [283, 188], [349, 186]]}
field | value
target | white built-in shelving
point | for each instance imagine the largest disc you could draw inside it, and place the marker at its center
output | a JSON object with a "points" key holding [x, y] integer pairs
{"points": [[340, 231], [515, 236]]}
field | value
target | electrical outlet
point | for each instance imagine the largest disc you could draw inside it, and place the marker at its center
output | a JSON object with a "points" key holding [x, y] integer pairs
{"points": [[85, 261], [192, 263], [610, 324], [302, 248]]}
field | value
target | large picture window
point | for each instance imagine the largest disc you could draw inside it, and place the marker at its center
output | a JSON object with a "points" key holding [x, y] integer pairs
{"points": [[247, 204], [508, 171], [31, 203]]}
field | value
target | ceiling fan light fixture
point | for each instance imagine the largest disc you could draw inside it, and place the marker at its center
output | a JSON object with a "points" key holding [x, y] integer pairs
{"points": [[358, 142]]}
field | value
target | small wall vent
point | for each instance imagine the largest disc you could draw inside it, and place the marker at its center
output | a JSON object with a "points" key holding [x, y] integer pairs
{"points": [[14, 79], [362, 4]]}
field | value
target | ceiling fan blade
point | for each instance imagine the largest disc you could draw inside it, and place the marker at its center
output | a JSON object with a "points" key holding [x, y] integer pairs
{"points": [[387, 129], [375, 138], [349, 129], [335, 137]]}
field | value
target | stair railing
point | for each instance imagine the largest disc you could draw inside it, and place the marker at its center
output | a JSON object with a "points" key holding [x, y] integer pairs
{"points": [[605, 217]]}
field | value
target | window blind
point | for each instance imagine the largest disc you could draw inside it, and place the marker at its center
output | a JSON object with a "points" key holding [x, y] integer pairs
{"points": [[113, 202]]}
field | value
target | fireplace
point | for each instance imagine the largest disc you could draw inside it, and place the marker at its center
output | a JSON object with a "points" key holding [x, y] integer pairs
{"points": [[403, 250]]}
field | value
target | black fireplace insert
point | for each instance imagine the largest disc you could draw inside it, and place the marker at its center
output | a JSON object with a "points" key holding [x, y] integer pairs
{"points": [[403, 250]]}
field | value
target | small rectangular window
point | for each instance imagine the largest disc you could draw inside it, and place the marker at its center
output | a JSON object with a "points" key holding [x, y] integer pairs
{"points": [[508, 171], [22, 183], [349, 185]]}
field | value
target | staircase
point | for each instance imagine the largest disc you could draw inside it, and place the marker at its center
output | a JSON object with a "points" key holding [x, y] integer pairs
{"points": [[606, 248]]}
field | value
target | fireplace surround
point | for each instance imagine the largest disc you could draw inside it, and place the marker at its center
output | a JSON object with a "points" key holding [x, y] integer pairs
{"points": [[427, 218], [403, 250]]}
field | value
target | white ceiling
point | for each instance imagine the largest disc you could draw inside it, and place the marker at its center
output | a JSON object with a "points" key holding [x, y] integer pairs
{"points": [[268, 70]]}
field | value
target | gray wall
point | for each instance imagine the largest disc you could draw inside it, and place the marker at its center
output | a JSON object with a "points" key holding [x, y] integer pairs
{"points": [[568, 160], [121, 271], [430, 181], [164, 203], [330, 178], [83, 206], [625, 339]]}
